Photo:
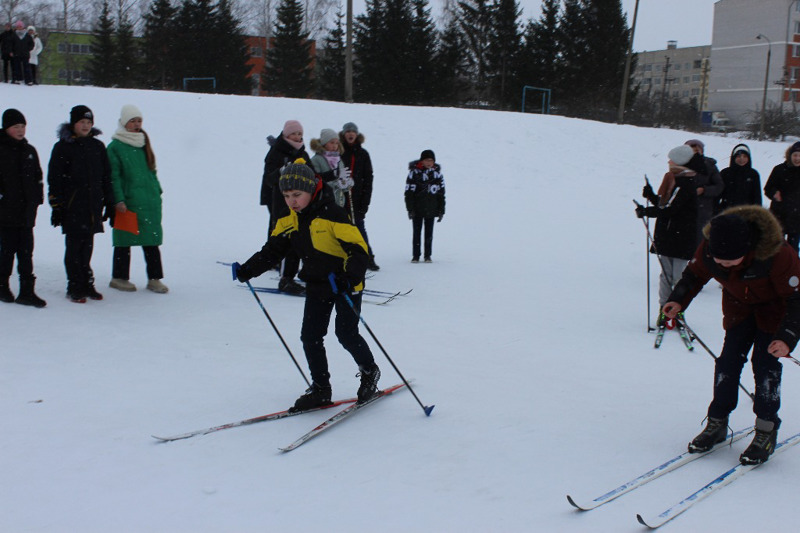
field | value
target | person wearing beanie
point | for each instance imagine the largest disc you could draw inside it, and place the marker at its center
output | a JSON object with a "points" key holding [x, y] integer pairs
{"points": [[22, 44], [744, 251], [358, 162], [21, 194], [675, 211], [81, 197], [742, 182], [709, 185], [33, 61], [284, 149], [334, 264], [136, 189], [783, 189], [425, 201], [327, 163]]}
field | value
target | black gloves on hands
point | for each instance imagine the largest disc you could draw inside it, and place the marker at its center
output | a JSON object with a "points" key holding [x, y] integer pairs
{"points": [[440, 218], [647, 192], [241, 272], [56, 217], [640, 211], [410, 215]]}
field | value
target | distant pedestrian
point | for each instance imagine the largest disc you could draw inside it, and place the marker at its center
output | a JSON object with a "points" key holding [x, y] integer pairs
{"points": [[34, 59], [425, 201], [709, 186], [23, 44], [742, 181], [327, 163], [359, 163], [7, 49], [783, 188]]}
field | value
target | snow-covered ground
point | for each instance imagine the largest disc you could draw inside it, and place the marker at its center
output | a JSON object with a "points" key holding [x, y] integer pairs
{"points": [[528, 333]]}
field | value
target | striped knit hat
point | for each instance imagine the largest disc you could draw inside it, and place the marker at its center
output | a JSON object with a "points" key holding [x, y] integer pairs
{"points": [[298, 176]]}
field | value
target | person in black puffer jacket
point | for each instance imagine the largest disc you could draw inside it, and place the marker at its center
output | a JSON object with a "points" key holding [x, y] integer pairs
{"points": [[359, 163], [424, 197], [21, 194], [742, 181], [284, 149], [783, 188], [80, 194]]}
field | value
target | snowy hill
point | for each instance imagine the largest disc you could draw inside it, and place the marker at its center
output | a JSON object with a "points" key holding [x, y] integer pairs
{"points": [[528, 332]]}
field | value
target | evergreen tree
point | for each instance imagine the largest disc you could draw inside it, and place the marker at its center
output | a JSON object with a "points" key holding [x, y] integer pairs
{"points": [[193, 46], [420, 53], [503, 53], [331, 62], [476, 22], [126, 55], [159, 45], [229, 53], [288, 70], [102, 64], [540, 52], [451, 70], [368, 51]]}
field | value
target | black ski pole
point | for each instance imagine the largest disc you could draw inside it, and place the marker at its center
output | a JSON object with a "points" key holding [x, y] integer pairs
{"points": [[266, 314], [704, 345], [647, 251], [332, 278]]}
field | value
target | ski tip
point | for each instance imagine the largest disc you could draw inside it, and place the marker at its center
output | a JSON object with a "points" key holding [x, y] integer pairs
{"points": [[428, 409], [641, 521], [572, 503]]}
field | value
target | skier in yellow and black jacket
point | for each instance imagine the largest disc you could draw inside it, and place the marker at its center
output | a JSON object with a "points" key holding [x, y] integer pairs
{"points": [[322, 235]]}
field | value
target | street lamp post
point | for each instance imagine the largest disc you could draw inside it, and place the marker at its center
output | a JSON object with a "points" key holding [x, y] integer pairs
{"points": [[766, 82]]}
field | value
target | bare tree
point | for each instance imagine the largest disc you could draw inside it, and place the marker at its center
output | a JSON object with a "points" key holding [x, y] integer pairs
{"points": [[11, 10]]}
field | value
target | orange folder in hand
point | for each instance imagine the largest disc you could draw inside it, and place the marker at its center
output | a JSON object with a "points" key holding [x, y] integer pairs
{"points": [[126, 221]]}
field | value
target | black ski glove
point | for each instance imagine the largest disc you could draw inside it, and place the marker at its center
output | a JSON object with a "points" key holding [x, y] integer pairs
{"points": [[647, 192], [241, 272]]}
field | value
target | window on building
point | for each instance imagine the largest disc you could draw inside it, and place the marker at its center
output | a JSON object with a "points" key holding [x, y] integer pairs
{"points": [[698, 64], [686, 94], [795, 51], [255, 51], [686, 79], [657, 81], [677, 66], [696, 77], [648, 68], [676, 94], [695, 92], [797, 26], [795, 73]]}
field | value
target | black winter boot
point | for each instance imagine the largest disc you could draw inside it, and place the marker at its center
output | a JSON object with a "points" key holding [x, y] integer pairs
{"points": [[91, 292], [76, 293], [315, 396], [716, 431], [763, 443], [5, 292], [26, 294], [369, 383]]}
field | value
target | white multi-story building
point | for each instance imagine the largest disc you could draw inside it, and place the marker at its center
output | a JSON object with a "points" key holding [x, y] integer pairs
{"points": [[680, 73], [745, 34]]}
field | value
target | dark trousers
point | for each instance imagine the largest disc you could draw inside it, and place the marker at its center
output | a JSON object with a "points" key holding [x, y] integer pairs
{"points": [[33, 73], [363, 230], [6, 69], [16, 242], [767, 371], [21, 70], [121, 268], [78, 258], [316, 318], [290, 265], [415, 243]]}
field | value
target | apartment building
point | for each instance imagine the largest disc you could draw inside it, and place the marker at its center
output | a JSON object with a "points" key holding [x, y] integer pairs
{"points": [[680, 73]]}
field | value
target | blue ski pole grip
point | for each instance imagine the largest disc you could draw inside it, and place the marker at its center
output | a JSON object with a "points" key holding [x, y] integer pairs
{"points": [[235, 266], [332, 279]]}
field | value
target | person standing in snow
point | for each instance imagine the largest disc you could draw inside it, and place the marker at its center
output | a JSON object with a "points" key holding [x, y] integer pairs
{"points": [[327, 163], [21, 194], [136, 188], [759, 272], [7, 51], [709, 186], [675, 211], [359, 163], [783, 188], [321, 233], [284, 149], [425, 201], [22, 46], [37, 49], [81, 197], [741, 180]]}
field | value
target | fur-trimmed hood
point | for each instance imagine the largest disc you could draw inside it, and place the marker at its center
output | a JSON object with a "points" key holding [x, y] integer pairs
{"points": [[767, 231], [317, 146], [65, 132], [358, 142]]}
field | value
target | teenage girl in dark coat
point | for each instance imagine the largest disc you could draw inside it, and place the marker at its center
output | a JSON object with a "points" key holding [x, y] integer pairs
{"points": [[742, 182], [783, 188]]}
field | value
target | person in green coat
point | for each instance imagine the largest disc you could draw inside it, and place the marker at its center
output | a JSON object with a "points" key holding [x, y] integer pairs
{"points": [[135, 184]]}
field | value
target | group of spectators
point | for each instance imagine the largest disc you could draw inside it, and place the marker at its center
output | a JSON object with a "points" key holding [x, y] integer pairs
{"points": [[20, 49]]}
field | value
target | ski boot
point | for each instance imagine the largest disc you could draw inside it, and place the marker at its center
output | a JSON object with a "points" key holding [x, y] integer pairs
{"points": [[763, 443], [369, 382], [716, 431], [314, 397]]}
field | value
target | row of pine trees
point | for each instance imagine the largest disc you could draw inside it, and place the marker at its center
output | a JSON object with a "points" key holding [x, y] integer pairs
{"points": [[481, 54]]}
